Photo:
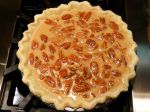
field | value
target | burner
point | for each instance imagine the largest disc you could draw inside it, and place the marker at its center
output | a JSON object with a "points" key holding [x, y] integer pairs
{"points": [[15, 95]]}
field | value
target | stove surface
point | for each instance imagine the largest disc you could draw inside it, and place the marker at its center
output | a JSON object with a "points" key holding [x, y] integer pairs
{"points": [[14, 94]]}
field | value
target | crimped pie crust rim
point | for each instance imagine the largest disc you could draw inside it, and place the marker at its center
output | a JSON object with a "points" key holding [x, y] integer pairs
{"points": [[68, 102]]}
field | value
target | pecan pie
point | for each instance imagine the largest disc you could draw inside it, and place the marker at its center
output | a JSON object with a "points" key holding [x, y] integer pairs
{"points": [[77, 56]]}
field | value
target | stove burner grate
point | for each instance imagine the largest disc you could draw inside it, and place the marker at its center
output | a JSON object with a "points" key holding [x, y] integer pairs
{"points": [[15, 95]]}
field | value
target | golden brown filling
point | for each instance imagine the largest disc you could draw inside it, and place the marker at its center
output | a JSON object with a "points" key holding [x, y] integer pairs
{"points": [[79, 54]]}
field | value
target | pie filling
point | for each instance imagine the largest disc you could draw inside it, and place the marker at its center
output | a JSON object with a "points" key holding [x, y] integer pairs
{"points": [[79, 53]]}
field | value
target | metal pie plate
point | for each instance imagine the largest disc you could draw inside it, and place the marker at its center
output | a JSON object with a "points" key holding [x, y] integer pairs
{"points": [[98, 106]]}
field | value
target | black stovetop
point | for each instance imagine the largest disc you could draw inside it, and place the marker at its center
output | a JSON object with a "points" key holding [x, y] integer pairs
{"points": [[14, 95]]}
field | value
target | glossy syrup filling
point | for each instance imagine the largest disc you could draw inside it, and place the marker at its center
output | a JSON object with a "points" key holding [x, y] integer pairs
{"points": [[79, 54]]}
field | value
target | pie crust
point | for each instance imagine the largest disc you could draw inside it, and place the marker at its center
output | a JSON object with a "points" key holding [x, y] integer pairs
{"points": [[61, 101]]}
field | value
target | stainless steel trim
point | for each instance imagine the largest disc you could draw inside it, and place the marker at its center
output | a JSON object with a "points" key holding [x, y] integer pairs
{"points": [[137, 21]]}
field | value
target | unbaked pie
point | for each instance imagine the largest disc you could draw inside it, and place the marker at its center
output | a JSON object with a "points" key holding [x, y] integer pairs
{"points": [[77, 56]]}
